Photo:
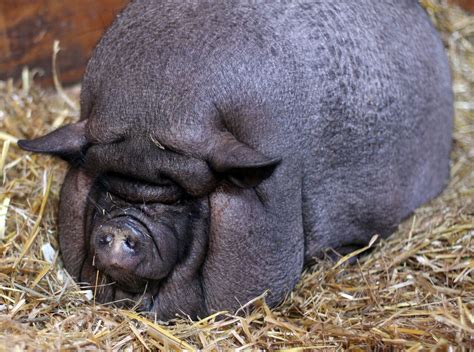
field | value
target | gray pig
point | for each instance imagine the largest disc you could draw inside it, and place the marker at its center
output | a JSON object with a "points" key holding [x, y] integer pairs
{"points": [[223, 145]]}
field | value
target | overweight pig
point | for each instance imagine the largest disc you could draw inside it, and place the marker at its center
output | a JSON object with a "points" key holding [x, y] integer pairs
{"points": [[223, 145]]}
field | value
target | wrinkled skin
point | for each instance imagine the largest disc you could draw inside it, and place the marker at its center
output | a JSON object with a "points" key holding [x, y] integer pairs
{"points": [[224, 145], [142, 248]]}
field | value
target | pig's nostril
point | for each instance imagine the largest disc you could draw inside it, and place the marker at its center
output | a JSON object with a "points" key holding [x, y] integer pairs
{"points": [[129, 243], [106, 239]]}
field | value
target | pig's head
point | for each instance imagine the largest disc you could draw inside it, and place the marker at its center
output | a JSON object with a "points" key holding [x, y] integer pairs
{"points": [[136, 212]]}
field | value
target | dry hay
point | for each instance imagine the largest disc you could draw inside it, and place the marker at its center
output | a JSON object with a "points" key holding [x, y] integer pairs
{"points": [[415, 291]]}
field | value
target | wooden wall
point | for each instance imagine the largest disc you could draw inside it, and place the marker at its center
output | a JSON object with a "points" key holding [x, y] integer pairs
{"points": [[28, 29], [467, 5]]}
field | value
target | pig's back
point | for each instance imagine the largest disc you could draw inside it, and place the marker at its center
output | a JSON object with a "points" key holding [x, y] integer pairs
{"points": [[376, 133]]}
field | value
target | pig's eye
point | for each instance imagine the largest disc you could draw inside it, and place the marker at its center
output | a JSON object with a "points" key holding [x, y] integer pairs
{"points": [[137, 191]]}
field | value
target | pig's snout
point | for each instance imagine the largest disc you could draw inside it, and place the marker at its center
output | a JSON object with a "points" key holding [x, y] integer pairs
{"points": [[132, 250], [117, 246], [123, 247]]}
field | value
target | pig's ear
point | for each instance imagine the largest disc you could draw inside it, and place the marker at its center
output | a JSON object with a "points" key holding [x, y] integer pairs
{"points": [[65, 141], [242, 165]]}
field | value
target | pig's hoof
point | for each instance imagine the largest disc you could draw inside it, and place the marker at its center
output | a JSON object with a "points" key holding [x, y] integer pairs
{"points": [[146, 303]]}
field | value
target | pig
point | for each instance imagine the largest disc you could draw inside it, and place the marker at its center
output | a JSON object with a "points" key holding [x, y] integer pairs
{"points": [[225, 145]]}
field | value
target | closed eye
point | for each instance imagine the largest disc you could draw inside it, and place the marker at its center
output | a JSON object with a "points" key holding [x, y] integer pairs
{"points": [[138, 191]]}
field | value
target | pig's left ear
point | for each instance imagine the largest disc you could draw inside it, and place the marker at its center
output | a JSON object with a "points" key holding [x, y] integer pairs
{"points": [[66, 141], [242, 165]]}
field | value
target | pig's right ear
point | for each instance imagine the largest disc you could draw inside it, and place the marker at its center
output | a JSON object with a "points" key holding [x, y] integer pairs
{"points": [[242, 165], [66, 141]]}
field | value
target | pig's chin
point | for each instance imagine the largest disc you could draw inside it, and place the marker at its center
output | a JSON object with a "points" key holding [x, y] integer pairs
{"points": [[129, 282]]}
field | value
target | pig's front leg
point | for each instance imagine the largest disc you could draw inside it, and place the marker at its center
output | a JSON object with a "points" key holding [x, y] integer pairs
{"points": [[181, 294]]}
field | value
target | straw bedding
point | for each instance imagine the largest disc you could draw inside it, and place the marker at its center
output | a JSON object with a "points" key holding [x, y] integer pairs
{"points": [[414, 291]]}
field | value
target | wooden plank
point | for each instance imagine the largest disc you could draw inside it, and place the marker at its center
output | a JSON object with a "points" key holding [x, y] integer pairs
{"points": [[467, 5], [28, 29]]}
